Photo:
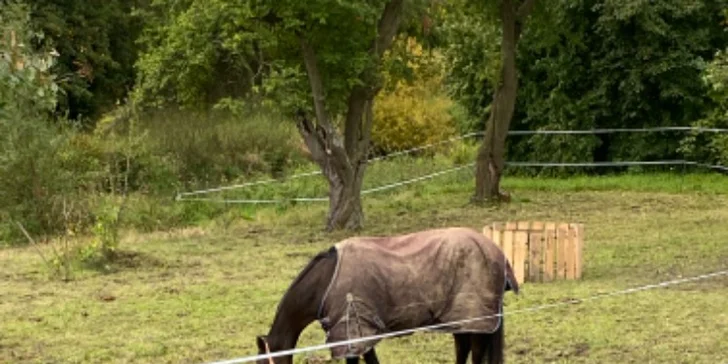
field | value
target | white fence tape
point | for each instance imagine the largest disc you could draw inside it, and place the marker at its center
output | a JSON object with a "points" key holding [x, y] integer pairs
{"points": [[711, 166], [181, 196], [599, 164], [620, 130], [458, 168], [418, 179], [243, 185], [316, 173]]}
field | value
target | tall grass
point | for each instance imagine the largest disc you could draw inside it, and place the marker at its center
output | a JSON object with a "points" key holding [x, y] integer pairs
{"points": [[213, 147]]}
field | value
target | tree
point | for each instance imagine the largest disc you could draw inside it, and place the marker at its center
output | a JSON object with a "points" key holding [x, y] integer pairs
{"points": [[319, 62], [195, 53], [96, 52], [343, 158], [592, 64], [490, 161], [615, 64], [712, 148]]}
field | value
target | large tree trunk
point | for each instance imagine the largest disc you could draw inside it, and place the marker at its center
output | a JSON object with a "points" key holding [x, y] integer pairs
{"points": [[490, 161], [345, 175], [343, 159], [345, 209]]}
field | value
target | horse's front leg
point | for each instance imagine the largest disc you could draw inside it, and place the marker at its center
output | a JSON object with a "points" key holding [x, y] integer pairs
{"points": [[370, 357], [479, 344], [352, 360], [462, 348]]}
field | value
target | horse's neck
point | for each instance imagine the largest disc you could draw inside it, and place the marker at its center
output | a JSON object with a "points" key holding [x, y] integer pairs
{"points": [[283, 337], [299, 306], [287, 328]]}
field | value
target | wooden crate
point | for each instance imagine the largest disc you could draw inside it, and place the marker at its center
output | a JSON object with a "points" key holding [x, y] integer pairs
{"points": [[540, 251]]}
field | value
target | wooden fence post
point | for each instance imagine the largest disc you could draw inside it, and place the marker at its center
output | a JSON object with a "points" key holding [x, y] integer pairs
{"points": [[540, 251]]}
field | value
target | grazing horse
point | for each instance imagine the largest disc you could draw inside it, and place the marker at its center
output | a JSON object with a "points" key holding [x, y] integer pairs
{"points": [[454, 278]]}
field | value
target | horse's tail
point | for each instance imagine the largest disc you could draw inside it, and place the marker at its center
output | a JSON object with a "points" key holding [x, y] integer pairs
{"points": [[511, 281]]}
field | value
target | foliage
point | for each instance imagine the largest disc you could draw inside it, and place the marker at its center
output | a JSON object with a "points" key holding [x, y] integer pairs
{"points": [[27, 83], [64, 258], [189, 46], [45, 163], [585, 64], [339, 45], [472, 50], [104, 246], [413, 110], [410, 117], [615, 64], [709, 147], [592, 64], [341, 33], [30, 146], [463, 152], [97, 52], [153, 153]]}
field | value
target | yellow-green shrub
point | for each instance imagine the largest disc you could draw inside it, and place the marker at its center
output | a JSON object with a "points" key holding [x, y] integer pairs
{"points": [[415, 113], [408, 118]]}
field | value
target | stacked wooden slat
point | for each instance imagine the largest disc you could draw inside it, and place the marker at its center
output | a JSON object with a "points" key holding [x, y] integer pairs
{"points": [[540, 251]]}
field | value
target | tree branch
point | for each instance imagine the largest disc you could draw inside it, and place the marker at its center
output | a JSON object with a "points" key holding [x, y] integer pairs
{"points": [[314, 140], [357, 127], [387, 27], [353, 132], [327, 135], [314, 78], [366, 131]]}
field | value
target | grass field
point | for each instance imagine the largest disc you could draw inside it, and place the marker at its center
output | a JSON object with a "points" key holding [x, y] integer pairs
{"points": [[202, 294]]}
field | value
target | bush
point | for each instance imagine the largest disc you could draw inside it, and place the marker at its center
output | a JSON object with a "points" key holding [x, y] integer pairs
{"points": [[709, 147], [410, 117], [48, 165], [33, 183], [411, 113]]}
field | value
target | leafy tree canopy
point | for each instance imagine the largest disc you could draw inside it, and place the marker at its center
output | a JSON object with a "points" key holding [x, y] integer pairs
{"points": [[95, 41], [595, 64]]}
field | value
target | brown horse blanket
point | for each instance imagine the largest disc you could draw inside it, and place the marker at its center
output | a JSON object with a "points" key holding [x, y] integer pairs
{"points": [[384, 284]]}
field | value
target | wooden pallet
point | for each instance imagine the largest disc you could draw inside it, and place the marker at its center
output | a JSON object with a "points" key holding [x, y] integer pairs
{"points": [[540, 251]]}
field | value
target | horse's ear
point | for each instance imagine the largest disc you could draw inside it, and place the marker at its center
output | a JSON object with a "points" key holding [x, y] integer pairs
{"points": [[261, 341]]}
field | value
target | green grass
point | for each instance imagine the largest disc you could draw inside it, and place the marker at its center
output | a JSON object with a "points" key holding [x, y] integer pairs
{"points": [[199, 295]]}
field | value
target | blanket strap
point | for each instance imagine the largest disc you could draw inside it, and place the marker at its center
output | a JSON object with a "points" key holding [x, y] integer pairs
{"points": [[349, 305]]}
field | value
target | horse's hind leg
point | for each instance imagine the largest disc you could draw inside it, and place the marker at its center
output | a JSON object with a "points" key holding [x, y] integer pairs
{"points": [[370, 357], [479, 347], [462, 348], [488, 346], [495, 346], [352, 360]]}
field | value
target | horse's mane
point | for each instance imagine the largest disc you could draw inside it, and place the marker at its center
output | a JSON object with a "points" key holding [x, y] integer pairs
{"points": [[311, 264], [331, 252]]}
